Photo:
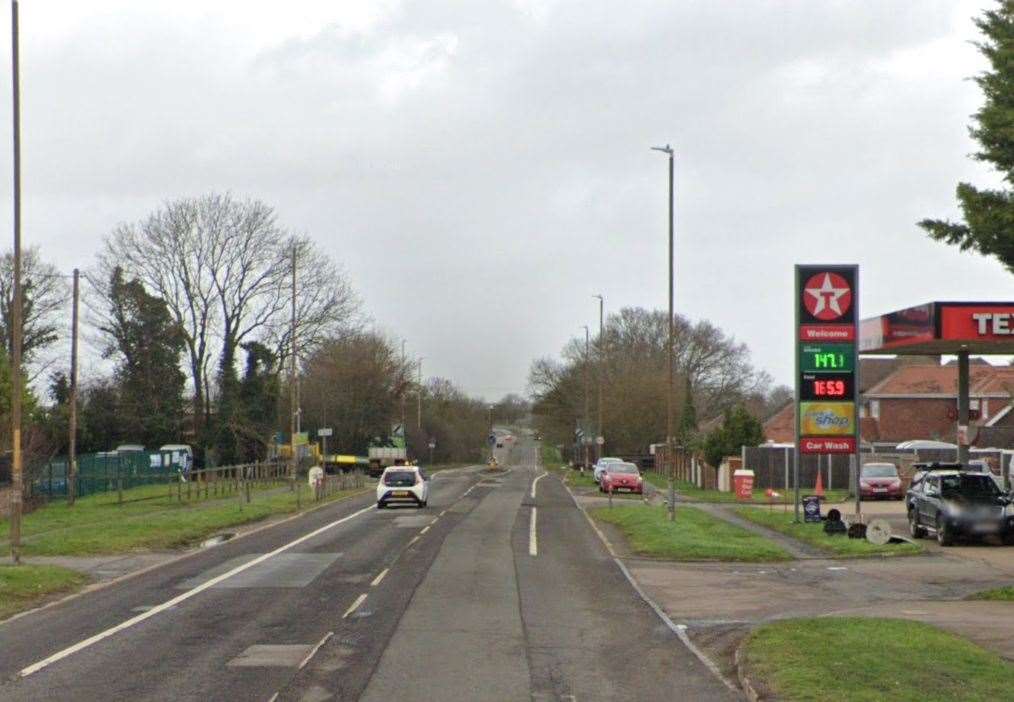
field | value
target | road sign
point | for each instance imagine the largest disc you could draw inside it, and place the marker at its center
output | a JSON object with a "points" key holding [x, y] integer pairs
{"points": [[325, 431], [491, 440], [811, 508], [433, 443]]}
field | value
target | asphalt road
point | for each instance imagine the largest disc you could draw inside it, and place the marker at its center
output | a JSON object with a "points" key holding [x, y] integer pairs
{"points": [[463, 600]]}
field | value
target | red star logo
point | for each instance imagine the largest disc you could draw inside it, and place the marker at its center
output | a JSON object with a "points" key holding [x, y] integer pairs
{"points": [[827, 296]]}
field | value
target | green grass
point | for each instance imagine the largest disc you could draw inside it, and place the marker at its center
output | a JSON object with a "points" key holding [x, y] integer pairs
{"points": [[1000, 594], [97, 524], [692, 493], [868, 660], [840, 546], [695, 535], [576, 478], [25, 586]]}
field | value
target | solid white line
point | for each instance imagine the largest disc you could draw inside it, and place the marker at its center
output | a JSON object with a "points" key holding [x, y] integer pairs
{"points": [[81, 645], [424, 530], [376, 580], [316, 648], [533, 536], [354, 606], [414, 539], [273, 697], [535, 482], [679, 629]]}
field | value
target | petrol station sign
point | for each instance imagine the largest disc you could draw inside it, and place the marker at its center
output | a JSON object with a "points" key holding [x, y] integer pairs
{"points": [[826, 359]]}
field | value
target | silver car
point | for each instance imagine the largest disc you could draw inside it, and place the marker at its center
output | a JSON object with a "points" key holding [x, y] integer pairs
{"points": [[600, 466]]}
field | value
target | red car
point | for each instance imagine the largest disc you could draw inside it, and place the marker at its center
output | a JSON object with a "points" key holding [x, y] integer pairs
{"points": [[880, 481], [621, 477]]}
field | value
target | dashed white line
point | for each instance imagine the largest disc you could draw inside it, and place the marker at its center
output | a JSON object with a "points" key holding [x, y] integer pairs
{"points": [[376, 580], [354, 606], [533, 537], [81, 645], [536, 482], [414, 539], [424, 530], [273, 697], [313, 651]]}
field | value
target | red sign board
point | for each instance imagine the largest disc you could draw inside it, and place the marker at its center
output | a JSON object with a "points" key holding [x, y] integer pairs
{"points": [[826, 444], [982, 322], [827, 332]]}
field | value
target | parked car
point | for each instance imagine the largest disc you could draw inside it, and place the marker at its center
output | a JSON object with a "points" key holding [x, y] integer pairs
{"points": [[403, 485], [880, 481], [600, 466], [621, 477], [958, 503]]}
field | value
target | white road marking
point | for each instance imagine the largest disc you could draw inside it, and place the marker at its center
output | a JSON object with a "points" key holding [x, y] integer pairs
{"points": [[273, 697], [536, 482], [81, 645], [314, 650], [533, 536], [376, 580], [354, 606], [424, 530], [414, 539]]}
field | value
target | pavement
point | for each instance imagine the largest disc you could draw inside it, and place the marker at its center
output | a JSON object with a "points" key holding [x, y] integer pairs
{"points": [[490, 593]]}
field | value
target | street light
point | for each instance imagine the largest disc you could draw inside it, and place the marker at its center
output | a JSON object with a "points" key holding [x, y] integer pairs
{"points": [[584, 432], [601, 369], [17, 465], [669, 350], [418, 398]]}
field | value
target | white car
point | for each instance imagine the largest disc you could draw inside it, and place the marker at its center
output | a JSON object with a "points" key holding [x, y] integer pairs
{"points": [[601, 466], [403, 485]]}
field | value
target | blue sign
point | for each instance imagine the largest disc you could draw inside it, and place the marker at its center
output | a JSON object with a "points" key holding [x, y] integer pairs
{"points": [[811, 508]]}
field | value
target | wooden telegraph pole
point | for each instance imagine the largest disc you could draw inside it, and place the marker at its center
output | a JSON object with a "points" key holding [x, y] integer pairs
{"points": [[72, 424], [292, 372], [17, 467]]}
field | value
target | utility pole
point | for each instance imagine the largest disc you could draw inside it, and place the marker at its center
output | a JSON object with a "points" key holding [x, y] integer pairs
{"points": [[17, 486], [587, 386], [403, 360], [418, 399], [601, 369], [72, 423], [670, 449], [293, 400]]}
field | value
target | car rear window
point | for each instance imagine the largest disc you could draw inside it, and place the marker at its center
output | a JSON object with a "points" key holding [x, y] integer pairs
{"points": [[968, 486], [874, 471], [399, 478], [622, 468]]}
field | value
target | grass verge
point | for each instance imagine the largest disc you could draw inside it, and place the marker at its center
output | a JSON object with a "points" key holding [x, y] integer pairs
{"points": [[862, 660], [692, 493], [1000, 594], [838, 546], [551, 458], [695, 536], [25, 586], [97, 524]]}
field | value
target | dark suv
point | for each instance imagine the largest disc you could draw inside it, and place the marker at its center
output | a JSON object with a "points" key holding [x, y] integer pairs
{"points": [[953, 503]]}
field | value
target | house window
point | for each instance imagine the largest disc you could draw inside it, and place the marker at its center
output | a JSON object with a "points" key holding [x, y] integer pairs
{"points": [[875, 409]]}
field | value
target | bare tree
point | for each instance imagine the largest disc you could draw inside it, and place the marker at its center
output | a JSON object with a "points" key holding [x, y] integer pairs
{"points": [[46, 303]]}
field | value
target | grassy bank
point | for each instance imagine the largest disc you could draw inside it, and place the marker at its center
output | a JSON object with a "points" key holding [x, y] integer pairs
{"points": [[692, 493], [25, 586], [873, 659], [695, 536], [1000, 594], [839, 546], [146, 520]]}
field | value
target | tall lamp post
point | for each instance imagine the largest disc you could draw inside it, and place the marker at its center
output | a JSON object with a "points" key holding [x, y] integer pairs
{"points": [[584, 432], [418, 398], [601, 369], [669, 450], [17, 475]]}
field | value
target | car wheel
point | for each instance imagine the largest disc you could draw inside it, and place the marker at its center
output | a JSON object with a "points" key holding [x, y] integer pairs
{"points": [[914, 529], [944, 536], [381, 505], [422, 504]]}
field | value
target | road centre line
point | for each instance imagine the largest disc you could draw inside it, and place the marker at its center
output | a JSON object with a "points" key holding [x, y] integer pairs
{"points": [[81, 645], [424, 530], [354, 606], [533, 537], [316, 648], [376, 580], [536, 482], [414, 539]]}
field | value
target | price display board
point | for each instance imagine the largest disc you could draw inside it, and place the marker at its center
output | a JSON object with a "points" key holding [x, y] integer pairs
{"points": [[827, 420]]}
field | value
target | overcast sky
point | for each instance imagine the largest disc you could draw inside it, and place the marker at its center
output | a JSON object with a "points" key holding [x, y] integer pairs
{"points": [[483, 168]]}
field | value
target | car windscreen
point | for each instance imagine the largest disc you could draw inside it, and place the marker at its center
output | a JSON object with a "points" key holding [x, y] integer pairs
{"points": [[399, 478], [969, 487], [873, 471], [622, 468]]}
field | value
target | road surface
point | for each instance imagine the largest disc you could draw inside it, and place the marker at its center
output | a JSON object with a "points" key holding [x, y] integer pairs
{"points": [[487, 594]]}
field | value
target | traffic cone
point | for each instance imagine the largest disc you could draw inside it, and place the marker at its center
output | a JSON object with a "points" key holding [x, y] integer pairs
{"points": [[818, 489]]}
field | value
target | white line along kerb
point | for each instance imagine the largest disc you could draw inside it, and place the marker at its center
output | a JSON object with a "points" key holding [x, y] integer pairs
{"points": [[533, 536], [536, 482], [81, 645]]}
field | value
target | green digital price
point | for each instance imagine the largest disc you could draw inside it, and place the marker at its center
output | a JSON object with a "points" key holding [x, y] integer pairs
{"points": [[826, 358]]}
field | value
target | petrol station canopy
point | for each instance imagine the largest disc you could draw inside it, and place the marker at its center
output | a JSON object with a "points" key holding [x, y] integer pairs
{"points": [[936, 328]]}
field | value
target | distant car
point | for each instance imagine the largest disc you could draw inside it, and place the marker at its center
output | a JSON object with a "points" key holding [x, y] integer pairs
{"points": [[600, 466], [403, 485], [621, 477], [954, 503], [880, 481]]}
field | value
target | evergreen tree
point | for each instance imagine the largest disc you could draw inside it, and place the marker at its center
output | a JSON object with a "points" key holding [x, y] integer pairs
{"points": [[688, 417], [988, 226], [149, 345], [739, 428], [257, 402]]}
